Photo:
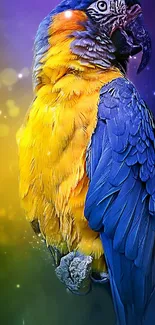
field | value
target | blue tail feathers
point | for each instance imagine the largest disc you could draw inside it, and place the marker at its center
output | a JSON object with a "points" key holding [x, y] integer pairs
{"points": [[128, 286]]}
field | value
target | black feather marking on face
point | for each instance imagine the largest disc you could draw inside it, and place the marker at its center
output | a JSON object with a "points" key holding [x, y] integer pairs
{"points": [[109, 14]]}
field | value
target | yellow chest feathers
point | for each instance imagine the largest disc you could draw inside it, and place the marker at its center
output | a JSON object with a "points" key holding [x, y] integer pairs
{"points": [[52, 147]]}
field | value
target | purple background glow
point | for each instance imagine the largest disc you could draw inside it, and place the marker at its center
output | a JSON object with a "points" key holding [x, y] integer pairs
{"points": [[19, 21], [31, 294]]}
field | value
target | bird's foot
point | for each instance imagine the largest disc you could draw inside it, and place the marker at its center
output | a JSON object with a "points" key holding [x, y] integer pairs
{"points": [[75, 272]]}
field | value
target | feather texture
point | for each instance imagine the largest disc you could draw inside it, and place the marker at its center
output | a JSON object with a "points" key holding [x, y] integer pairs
{"points": [[120, 199], [55, 136]]}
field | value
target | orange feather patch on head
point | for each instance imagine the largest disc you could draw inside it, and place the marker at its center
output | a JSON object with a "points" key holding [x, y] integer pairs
{"points": [[69, 20]]}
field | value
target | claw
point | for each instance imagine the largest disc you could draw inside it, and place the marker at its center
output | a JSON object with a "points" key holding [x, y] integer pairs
{"points": [[75, 271], [56, 255]]}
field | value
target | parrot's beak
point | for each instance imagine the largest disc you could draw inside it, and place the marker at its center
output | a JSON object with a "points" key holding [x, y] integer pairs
{"points": [[132, 37], [141, 39]]}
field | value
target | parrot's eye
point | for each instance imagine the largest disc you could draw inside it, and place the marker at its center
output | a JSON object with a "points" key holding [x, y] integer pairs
{"points": [[102, 5]]}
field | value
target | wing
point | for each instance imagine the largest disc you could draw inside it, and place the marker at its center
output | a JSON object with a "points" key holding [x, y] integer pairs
{"points": [[121, 199], [41, 46]]}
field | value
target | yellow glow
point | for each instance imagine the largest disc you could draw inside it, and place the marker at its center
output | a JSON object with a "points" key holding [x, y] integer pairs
{"points": [[12, 219], [13, 110], [2, 213], [4, 130]]}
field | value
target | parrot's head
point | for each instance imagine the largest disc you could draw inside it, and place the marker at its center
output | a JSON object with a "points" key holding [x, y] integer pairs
{"points": [[104, 33], [121, 21]]}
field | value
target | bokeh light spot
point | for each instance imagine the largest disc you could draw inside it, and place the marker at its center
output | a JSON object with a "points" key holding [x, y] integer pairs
{"points": [[8, 77], [18, 286], [68, 13], [25, 72], [13, 109], [20, 76]]}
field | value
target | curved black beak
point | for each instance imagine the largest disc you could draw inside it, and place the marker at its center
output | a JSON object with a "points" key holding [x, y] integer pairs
{"points": [[135, 28]]}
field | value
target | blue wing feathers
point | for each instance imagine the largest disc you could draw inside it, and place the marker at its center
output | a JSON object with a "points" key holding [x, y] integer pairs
{"points": [[118, 173], [131, 249], [126, 219], [121, 197]]}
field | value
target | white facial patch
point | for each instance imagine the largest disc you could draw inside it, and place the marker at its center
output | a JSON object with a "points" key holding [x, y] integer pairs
{"points": [[118, 6], [111, 6], [109, 14], [97, 7]]}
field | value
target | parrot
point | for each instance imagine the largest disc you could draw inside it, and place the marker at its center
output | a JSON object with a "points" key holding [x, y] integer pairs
{"points": [[87, 153]]}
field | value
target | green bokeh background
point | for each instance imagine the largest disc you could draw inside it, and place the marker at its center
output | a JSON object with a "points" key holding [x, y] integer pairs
{"points": [[32, 295]]}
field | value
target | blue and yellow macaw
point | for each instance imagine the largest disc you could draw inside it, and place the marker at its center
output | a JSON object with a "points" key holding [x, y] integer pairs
{"points": [[87, 153]]}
